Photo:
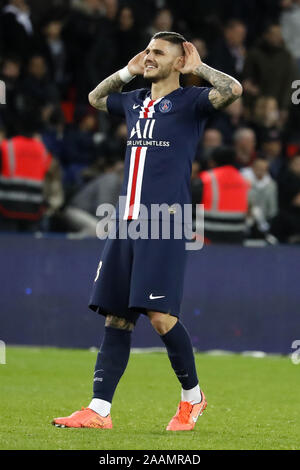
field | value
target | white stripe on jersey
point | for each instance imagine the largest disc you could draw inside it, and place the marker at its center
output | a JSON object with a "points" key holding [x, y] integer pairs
{"points": [[138, 189], [134, 188], [146, 129], [151, 128], [129, 184], [146, 106]]}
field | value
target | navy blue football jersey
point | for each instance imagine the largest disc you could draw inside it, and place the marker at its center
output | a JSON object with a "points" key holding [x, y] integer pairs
{"points": [[161, 146]]}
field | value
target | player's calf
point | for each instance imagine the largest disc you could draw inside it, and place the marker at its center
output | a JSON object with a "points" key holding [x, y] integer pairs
{"points": [[111, 363]]}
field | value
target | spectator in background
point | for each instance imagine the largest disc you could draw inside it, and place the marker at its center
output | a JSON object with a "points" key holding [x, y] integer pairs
{"points": [[80, 148], [109, 153], [225, 199], [229, 120], [53, 134], [17, 28], [80, 213], [244, 145], [290, 24], [262, 197], [109, 46], [286, 226], [54, 195], [199, 16], [10, 73], [86, 24], [99, 64], [269, 70], [24, 163], [228, 54], [52, 48], [39, 92], [163, 21], [201, 47], [254, 14], [115, 147], [2, 133], [265, 116], [111, 9], [212, 138], [127, 37], [86, 18], [271, 150]]}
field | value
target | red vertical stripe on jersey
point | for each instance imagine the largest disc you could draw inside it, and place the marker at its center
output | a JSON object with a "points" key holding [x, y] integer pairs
{"points": [[134, 178], [146, 110]]}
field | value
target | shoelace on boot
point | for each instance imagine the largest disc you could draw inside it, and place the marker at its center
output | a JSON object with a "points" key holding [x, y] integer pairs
{"points": [[184, 411]]}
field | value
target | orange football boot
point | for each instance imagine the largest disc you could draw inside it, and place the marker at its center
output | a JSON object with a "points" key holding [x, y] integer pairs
{"points": [[187, 415], [85, 418]]}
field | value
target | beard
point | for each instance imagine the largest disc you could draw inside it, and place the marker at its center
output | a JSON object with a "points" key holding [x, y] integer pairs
{"points": [[160, 76], [152, 79]]}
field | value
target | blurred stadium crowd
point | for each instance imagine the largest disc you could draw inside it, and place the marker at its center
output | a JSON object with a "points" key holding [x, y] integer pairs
{"points": [[53, 54]]}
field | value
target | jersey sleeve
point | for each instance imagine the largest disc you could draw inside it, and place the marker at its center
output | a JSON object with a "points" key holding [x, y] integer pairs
{"points": [[115, 104], [204, 108]]}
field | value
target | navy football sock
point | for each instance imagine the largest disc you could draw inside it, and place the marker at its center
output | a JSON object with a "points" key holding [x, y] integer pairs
{"points": [[111, 362], [181, 355]]}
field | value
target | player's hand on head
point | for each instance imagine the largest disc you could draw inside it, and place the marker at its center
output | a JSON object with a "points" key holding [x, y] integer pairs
{"points": [[191, 59], [136, 64]]}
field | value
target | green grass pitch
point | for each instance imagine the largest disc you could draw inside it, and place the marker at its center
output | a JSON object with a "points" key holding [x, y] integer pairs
{"points": [[252, 403]]}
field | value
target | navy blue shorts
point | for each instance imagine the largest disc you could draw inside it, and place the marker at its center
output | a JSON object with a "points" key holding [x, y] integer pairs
{"points": [[135, 276]]}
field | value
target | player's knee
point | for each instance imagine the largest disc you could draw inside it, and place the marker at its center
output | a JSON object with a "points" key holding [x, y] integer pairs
{"points": [[162, 322], [120, 323]]}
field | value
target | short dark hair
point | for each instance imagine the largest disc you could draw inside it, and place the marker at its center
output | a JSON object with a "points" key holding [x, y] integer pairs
{"points": [[233, 23], [223, 156], [170, 36], [260, 156], [270, 24], [29, 122]]}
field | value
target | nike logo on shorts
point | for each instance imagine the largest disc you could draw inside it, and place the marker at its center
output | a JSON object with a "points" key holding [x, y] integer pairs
{"points": [[153, 297], [136, 106]]}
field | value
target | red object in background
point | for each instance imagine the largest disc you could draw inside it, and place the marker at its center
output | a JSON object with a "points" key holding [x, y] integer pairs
{"points": [[25, 162], [68, 109], [224, 190], [292, 150], [68, 105]]}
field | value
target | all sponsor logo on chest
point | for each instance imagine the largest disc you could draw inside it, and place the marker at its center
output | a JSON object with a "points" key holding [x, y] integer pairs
{"points": [[142, 135]]}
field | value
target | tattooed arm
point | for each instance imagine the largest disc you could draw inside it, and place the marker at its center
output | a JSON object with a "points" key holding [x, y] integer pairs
{"points": [[114, 83], [98, 96], [225, 89]]}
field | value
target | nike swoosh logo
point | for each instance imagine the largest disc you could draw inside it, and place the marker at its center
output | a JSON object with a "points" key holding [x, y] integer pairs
{"points": [[136, 106], [194, 418], [153, 297]]}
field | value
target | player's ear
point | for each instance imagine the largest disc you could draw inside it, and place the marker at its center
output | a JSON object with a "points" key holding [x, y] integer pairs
{"points": [[179, 63]]}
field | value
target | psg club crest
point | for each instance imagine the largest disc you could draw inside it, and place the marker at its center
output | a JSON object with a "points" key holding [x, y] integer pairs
{"points": [[165, 106]]}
